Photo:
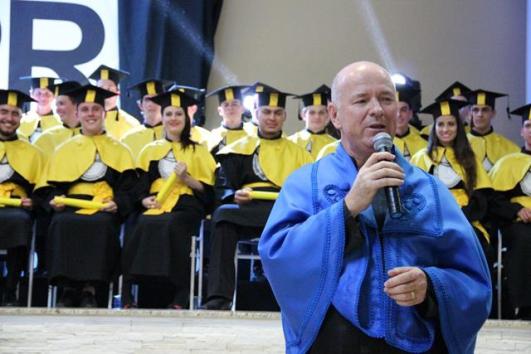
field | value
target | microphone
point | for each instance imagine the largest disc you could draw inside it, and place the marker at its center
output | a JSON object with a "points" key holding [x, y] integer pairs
{"points": [[383, 142]]}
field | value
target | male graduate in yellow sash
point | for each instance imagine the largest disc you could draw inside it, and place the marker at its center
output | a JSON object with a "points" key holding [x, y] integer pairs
{"points": [[407, 138], [488, 145], [456, 91], [66, 109], [315, 116], [117, 121], [231, 110], [20, 166], [35, 122], [199, 134], [151, 129], [253, 163], [96, 174], [511, 176]]}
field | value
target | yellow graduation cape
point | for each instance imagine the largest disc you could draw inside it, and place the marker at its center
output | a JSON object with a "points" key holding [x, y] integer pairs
{"points": [[30, 121], [229, 135], [140, 136], [493, 146], [313, 143], [508, 172], [422, 160], [72, 158], [413, 142], [199, 162], [278, 158], [26, 159], [54, 137], [119, 122]]}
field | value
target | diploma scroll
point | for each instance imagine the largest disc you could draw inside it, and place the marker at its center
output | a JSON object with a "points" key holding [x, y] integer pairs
{"points": [[14, 202], [263, 195], [79, 203], [166, 188]]}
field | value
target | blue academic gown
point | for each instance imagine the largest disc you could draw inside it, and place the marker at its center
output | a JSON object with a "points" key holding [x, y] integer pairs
{"points": [[302, 250]]}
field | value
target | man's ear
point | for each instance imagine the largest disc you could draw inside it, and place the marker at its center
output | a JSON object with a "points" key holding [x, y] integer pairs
{"points": [[332, 113]]}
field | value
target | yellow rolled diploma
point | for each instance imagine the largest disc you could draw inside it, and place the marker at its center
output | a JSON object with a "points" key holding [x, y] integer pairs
{"points": [[166, 188], [14, 202], [79, 203], [263, 195]]}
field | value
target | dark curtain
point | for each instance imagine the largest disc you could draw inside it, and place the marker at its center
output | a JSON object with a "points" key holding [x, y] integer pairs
{"points": [[166, 39]]}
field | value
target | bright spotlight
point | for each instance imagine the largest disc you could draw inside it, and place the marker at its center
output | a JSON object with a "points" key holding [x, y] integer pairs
{"points": [[398, 79], [248, 102]]}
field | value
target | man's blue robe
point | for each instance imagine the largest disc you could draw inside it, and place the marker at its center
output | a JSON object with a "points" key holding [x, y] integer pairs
{"points": [[302, 250]]}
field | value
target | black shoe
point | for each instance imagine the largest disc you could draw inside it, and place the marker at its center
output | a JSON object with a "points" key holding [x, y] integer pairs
{"points": [[88, 300], [69, 298], [217, 303], [10, 299]]}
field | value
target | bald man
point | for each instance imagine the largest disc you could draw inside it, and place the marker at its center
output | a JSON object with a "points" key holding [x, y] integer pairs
{"points": [[348, 277]]}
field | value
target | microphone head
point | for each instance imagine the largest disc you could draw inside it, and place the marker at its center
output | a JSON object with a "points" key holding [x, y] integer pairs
{"points": [[382, 142]]}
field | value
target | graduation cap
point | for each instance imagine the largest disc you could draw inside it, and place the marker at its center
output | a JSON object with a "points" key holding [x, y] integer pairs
{"points": [[149, 87], [175, 98], [41, 82], [196, 93], [259, 87], [66, 87], [14, 98], [406, 94], [444, 108], [524, 112], [91, 94], [454, 90], [315, 98], [483, 97], [228, 93], [104, 72], [267, 95]]}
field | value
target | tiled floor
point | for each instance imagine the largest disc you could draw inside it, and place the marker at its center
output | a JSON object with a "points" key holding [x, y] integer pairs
{"points": [[144, 331]]}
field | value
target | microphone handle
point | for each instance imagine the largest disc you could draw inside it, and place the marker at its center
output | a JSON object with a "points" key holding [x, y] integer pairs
{"points": [[393, 201]]}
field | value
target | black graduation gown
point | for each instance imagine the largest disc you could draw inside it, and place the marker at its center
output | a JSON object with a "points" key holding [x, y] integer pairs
{"points": [[87, 247], [159, 245]]}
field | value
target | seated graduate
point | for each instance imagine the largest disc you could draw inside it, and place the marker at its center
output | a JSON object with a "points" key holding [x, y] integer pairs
{"points": [[450, 158], [84, 243], [253, 163], [315, 116], [159, 245], [199, 134], [511, 176], [456, 91], [231, 110], [66, 110], [21, 165], [407, 138], [42, 118], [151, 128], [117, 121], [488, 145], [348, 277]]}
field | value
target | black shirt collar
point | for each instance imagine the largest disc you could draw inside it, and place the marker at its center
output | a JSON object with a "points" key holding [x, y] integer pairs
{"points": [[475, 133]]}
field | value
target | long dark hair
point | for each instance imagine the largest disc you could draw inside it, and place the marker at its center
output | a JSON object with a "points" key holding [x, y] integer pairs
{"points": [[463, 153], [186, 137]]}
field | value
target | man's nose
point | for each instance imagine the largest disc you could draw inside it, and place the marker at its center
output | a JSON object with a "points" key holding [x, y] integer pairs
{"points": [[375, 106]]}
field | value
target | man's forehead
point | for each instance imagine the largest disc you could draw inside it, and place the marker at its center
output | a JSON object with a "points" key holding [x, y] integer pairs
{"points": [[8, 107]]}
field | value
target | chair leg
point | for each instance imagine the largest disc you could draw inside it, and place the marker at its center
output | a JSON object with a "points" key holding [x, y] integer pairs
{"points": [[499, 274], [192, 271], [111, 288], [234, 296], [201, 263], [30, 267]]}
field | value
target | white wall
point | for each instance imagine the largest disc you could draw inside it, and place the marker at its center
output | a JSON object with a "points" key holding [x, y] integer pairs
{"points": [[296, 45]]}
